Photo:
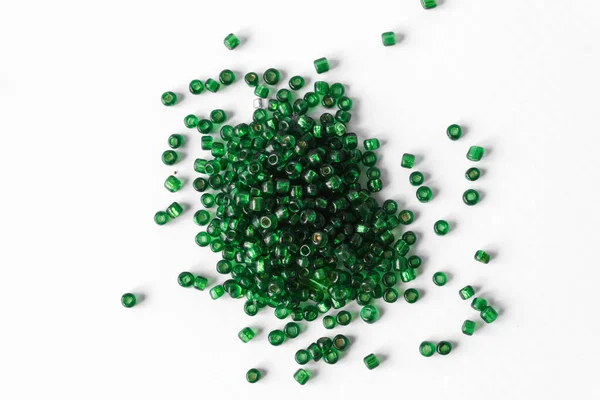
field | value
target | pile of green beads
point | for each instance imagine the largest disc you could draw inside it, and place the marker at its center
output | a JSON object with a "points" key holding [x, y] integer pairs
{"points": [[128, 300], [253, 375]]}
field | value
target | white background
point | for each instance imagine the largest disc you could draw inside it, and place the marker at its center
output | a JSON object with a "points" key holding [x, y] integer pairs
{"points": [[82, 129]]}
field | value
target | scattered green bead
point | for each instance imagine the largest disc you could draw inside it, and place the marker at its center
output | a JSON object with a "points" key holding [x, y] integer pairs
{"points": [[272, 76], [169, 157], [315, 352], [329, 322], [325, 344], [200, 184], [424, 194], [218, 116], [441, 227], [409, 237], [479, 304], [411, 295], [212, 85], [161, 218], [291, 330], [206, 142], [475, 153], [261, 91], [454, 132], [196, 86], [251, 79], [468, 327], [301, 376], [408, 160], [173, 184], [467, 292], [414, 261], [176, 141], [406, 217], [204, 126], [341, 342], [203, 239], [416, 179], [369, 314], [489, 315], [253, 375], [246, 334], [427, 349], [185, 279], [390, 207], [427, 4], [216, 292], [331, 356], [128, 300], [169, 99], [312, 99], [296, 82], [344, 103], [276, 337], [284, 96], [321, 87], [321, 65], [174, 210], [390, 295], [302, 356], [231, 41], [200, 282], [444, 348], [388, 38], [202, 217], [472, 174], [190, 121], [208, 200], [371, 144], [482, 256], [440, 278], [328, 101], [471, 197], [371, 361], [227, 77], [337, 90], [344, 318]]}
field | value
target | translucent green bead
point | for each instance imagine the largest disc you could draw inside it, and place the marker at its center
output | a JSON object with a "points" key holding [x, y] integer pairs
{"points": [[169, 99], [246, 334], [441, 227], [409, 237], [371, 361], [343, 116], [296, 82], [208, 200], [218, 116], [328, 101], [406, 217], [312, 99], [424, 194], [196, 86], [227, 77], [427, 4], [444, 348], [344, 103], [128, 300], [315, 352], [489, 315], [344, 318], [302, 356], [389, 279], [185, 279], [261, 91], [479, 304], [374, 185], [173, 184], [482, 256], [161, 218], [325, 344], [321, 87], [471, 197], [468, 327], [416, 179], [331, 356], [390, 295], [329, 322], [212, 85], [371, 144], [276, 337], [216, 292], [427, 349], [231, 41], [205, 126], [369, 158], [466, 292], [454, 132], [203, 239], [440, 279], [169, 157], [251, 79], [176, 141], [408, 160], [283, 95], [253, 375], [407, 275], [369, 314], [337, 90], [472, 174], [341, 342], [373, 173], [321, 65], [414, 261], [291, 330], [388, 38], [411, 295], [475, 153], [200, 282], [190, 121], [272, 76], [174, 210], [206, 142], [402, 248], [390, 207], [200, 184], [301, 376], [202, 217]]}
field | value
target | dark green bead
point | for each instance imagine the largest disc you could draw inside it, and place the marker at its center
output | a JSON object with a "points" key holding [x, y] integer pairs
{"points": [[169, 99], [176, 141], [325, 344], [185, 279], [371, 361], [468, 327], [440, 279], [409, 237], [427, 349], [321, 87], [390, 207], [246, 334], [466, 292], [336, 90], [489, 315], [475, 153], [343, 116], [341, 342], [200, 184], [408, 160], [196, 86], [371, 144], [203, 239], [321, 65], [414, 261], [454, 132], [329, 322], [212, 85], [227, 77], [291, 330], [389, 279], [416, 179], [424, 194], [344, 103], [276, 337], [173, 184], [296, 82], [205, 126], [202, 217], [231, 41], [427, 4], [272, 76], [479, 304], [441, 227], [200, 282], [406, 217], [364, 298], [174, 210], [331, 356], [411, 295], [369, 314], [315, 351], [261, 91], [128, 300], [344, 318], [472, 174], [251, 79], [302, 356], [369, 159], [253, 375], [328, 101], [301, 376], [390, 295], [169, 157], [218, 116], [388, 38], [208, 200], [471, 197], [482, 256], [374, 185], [312, 99], [161, 218], [444, 348], [206, 142]]}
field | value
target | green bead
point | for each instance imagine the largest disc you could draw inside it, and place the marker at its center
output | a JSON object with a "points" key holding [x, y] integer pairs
{"points": [[416, 179], [409, 237], [272, 76], [302, 356], [206, 142], [161, 218], [411, 295], [174, 210], [414, 261], [261, 91], [202, 217], [331, 356], [344, 103], [173, 184], [311, 313], [203, 239], [454, 132], [216, 292], [489, 315], [424, 194], [176, 141], [406, 217], [468, 327], [196, 86], [369, 158], [185, 279], [344, 318], [441, 227], [444, 348], [208, 200], [205, 126], [227, 77], [389, 279], [212, 85], [190, 121], [471, 197], [231, 41], [276, 337], [482, 256], [200, 282], [371, 144], [337, 90], [253, 375], [296, 82], [200, 184], [427, 4], [321, 65], [341, 342], [466, 292], [388, 38], [246, 334], [251, 79], [328, 101], [218, 116], [169, 157], [479, 304], [408, 160], [169, 99], [390, 295], [301, 376], [128, 300], [325, 344], [369, 314], [371, 361], [291, 330], [374, 185], [315, 352], [283, 95], [473, 174], [475, 153], [312, 99], [440, 278], [329, 322], [427, 349]]}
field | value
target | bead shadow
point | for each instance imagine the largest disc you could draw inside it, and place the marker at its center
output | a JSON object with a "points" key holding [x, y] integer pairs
{"points": [[333, 63], [312, 372], [382, 357], [140, 297], [181, 98], [482, 195]]}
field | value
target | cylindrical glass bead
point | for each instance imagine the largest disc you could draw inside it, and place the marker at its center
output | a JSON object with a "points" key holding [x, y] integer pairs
{"points": [[411, 295], [371, 361], [444, 347], [231, 41], [482, 256], [408, 160], [489, 315], [424, 194], [276, 337], [454, 132], [321, 65], [388, 38], [473, 174], [246, 334], [172, 184], [253, 375], [441, 227], [227, 77], [176, 141], [174, 210], [169, 157], [471, 197], [196, 86], [212, 85], [416, 179], [468, 327], [427, 349], [161, 218], [128, 300], [169, 99], [185, 279], [440, 278], [272, 76]]}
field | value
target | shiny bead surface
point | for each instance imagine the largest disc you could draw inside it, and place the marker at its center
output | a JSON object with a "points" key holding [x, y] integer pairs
{"points": [[216, 292], [200, 184], [251, 79], [169, 99], [190, 121], [161, 218], [261, 91], [173, 184], [329, 322], [441, 227], [331, 356], [337, 90], [467, 292], [371, 361], [341, 342], [472, 174], [479, 304], [301, 376], [202, 217], [128, 300], [489, 315], [408, 160], [176, 141], [440, 278], [409, 237], [369, 314], [196, 86], [406, 217], [276, 337], [200, 282], [253, 375], [231, 41], [427, 349], [344, 103], [454, 132], [482, 256], [411, 295], [315, 351], [388, 38], [321, 65], [444, 348], [272, 76], [321, 87], [424, 194], [212, 85], [475, 153], [169, 157], [468, 327], [416, 179], [390, 295], [185, 279], [205, 126], [203, 239], [344, 318], [226, 77], [218, 116], [296, 82], [371, 144], [302, 356], [246, 334], [427, 4], [291, 330], [174, 210]]}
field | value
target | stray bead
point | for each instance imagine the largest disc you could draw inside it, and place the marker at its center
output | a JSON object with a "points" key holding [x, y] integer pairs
{"points": [[427, 349], [475, 153], [173, 184], [253, 375], [231, 41], [261, 91], [176, 141], [315, 352], [341, 342], [479, 304], [388, 38], [454, 132], [329, 322], [200, 282], [212, 85], [216, 292], [128, 300], [296, 82], [190, 121], [424, 194], [161, 218], [369, 314], [251, 79], [406, 217], [466, 292], [196, 86], [408, 160], [471, 197], [302, 356], [390, 295], [444, 348], [416, 179], [185, 279], [301, 376], [218, 116], [321, 65], [276, 337], [246, 334], [472, 174], [371, 144], [291, 330], [468, 327], [371, 361], [169, 99], [200, 184], [272, 76], [174, 210], [489, 315], [169, 157], [482, 256], [441, 227], [440, 279], [227, 77], [411, 295], [344, 103], [427, 4], [336, 90], [344, 318]]}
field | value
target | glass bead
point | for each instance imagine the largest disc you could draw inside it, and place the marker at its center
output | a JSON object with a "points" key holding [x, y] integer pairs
{"points": [[227, 77], [414, 261], [390, 207], [276, 337], [369, 314], [408, 160], [312, 99], [200, 184], [251, 79], [479, 304], [204, 126], [374, 185], [344, 318], [196, 86], [246, 334], [169, 99], [371, 361], [341, 342], [406, 217], [161, 218], [402, 248], [473, 174], [321, 65], [389, 279], [185, 279], [344, 103], [329, 322], [176, 141], [471, 197], [216, 292], [272, 76], [283, 95], [454, 132], [466, 292], [174, 210], [291, 330], [315, 352], [441, 227], [482, 256], [390, 295], [424, 194], [416, 179], [173, 184], [444, 348], [369, 159], [409, 237], [208, 200], [190, 121], [325, 344], [128, 300], [388, 38], [321, 87], [301, 376], [489, 315], [440, 278], [302, 356], [468, 327], [169, 157], [411, 295], [206, 142], [328, 101], [231, 41], [427, 349], [203, 239], [253, 375], [212, 85], [200, 282], [202, 217], [296, 82], [261, 91], [371, 144], [218, 116], [331, 356], [427, 4], [336, 90], [475, 153], [343, 116]]}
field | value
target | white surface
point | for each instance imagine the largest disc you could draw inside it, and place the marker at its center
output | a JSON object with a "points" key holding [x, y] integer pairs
{"points": [[82, 130]]}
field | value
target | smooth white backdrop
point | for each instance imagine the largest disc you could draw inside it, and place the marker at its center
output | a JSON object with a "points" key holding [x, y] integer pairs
{"points": [[82, 130]]}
